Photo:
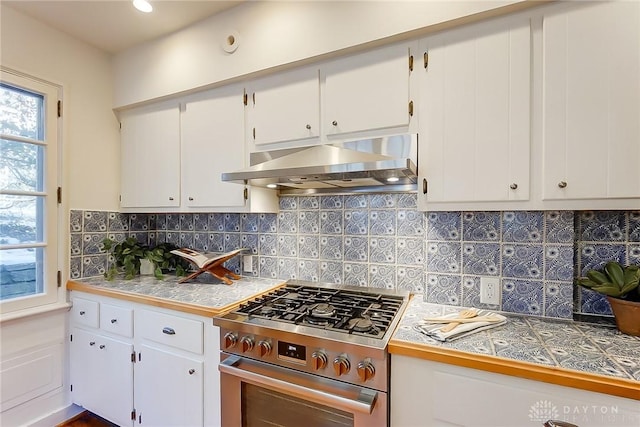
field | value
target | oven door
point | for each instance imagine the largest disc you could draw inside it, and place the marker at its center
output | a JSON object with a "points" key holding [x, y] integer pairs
{"points": [[260, 394]]}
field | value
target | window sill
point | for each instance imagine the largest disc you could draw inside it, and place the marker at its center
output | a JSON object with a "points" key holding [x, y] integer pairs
{"points": [[35, 311]]}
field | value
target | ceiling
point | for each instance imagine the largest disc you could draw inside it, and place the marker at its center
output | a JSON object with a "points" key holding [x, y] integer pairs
{"points": [[116, 25]]}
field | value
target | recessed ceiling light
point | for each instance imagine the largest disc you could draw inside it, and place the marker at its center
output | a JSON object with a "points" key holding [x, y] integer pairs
{"points": [[393, 179], [143, 6]]}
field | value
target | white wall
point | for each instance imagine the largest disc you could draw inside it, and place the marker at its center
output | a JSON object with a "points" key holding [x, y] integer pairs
{"points": [[33, 349], [91, 136], [277, 33]]}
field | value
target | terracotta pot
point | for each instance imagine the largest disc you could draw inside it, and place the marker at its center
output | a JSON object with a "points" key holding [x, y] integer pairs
{"points": [[627, 315]]}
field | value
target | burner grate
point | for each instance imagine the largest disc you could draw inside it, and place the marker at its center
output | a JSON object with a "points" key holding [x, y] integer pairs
{"points": [[347, 311]]}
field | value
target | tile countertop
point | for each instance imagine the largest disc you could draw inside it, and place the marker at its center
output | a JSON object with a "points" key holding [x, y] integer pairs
{"points": [[574, 354], [204, 296]]}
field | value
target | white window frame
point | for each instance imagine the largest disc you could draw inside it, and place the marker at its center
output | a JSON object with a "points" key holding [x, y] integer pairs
{"points": [[51, 242]]}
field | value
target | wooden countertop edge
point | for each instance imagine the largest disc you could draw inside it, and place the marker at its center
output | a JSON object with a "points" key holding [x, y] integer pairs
{"points": [[196, 309], [581, 380]]}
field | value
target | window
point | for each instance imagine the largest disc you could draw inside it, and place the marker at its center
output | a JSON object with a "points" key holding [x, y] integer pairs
{"points": [[29, 159]]}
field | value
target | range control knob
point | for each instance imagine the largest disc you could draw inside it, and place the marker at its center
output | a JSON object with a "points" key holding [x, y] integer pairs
{"points": [[366, 371], [230, 340], [341, 365], [246, 343], [318, 360], [264, 348]]}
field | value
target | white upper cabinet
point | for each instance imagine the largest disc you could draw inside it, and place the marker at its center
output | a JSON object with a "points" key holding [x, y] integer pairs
{"points": [[173, 156], [367, 92], [591, 101], [150, 157], [212, 130], [475, 114], [284, 107]]}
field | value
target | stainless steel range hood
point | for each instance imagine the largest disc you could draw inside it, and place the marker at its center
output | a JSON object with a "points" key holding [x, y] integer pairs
{"points": [[376, 164]]}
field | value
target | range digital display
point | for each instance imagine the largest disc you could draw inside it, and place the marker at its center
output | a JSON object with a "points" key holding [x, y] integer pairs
{"points": [[292, 352]]}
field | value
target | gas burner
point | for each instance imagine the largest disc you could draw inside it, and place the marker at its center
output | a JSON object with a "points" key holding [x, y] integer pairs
{"points": [[267, 310], [291, 296], [323, 310], [317, 321], [361, 324]]}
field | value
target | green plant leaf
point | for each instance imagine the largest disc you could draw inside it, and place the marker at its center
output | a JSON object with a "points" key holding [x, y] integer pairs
{"points": [[609, 289], [597, 276], [587, 282], [615, 273]]}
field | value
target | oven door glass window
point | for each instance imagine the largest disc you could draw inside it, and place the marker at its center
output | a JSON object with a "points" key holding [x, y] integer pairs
{"points": [[264, 407]]}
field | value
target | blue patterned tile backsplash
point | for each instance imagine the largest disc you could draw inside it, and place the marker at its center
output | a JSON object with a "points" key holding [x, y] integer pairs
{"points": [[382, 240]]}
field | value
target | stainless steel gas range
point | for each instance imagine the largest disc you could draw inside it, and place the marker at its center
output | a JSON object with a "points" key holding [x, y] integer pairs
{"points": [[309, 354]]}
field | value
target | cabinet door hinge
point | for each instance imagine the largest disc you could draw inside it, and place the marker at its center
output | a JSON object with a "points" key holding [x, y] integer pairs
{"points": [[59, 108], [410, 108], [425, 59], [425, 186], [71, 387], [59, 195], [244, 97], [59, 278], [246, 193], [133, 357], [133, 415], [410, 62]]}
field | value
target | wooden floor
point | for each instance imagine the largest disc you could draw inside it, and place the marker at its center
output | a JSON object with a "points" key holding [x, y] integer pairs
{"points": [[86, 419]]}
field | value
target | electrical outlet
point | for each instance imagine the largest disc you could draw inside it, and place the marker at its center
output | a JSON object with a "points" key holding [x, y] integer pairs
{"points": [[247, 263], [490, 290]]}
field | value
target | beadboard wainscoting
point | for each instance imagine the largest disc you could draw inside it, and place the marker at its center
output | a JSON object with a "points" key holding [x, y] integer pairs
{"points": [[382, 240]]}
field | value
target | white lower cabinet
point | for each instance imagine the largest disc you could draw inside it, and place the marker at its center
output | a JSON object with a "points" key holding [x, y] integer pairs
{"points": [[425, 393], [137, 366], [169, 388], [102, 375]]}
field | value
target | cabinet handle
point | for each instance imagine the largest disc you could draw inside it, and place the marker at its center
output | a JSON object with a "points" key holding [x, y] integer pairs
{"points": [[335, 123], [102, 346], [191, 199], [424, 186], [170, 198], [92, 343], [114, 320], [192, 371], [169, 331], [308, 126], [562, 184], [513, 186], [82, 313]]}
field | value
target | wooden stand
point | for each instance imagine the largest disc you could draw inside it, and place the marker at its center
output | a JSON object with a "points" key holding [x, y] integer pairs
{"points": [[216, 269]]}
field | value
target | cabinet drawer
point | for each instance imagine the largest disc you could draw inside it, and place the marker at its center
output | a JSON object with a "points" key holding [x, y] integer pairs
{"points": [[170, 330], [118, 320], [85, 312]]}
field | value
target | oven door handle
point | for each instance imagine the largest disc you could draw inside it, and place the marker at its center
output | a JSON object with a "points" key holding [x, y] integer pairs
{"points": [[363, 403]]}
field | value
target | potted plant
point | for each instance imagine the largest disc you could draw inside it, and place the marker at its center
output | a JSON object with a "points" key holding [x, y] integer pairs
{"points": [[621, 285], [129, 254]]}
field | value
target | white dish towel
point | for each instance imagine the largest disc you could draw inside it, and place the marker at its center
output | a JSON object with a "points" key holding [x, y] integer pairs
{"points": [[433, 326]]}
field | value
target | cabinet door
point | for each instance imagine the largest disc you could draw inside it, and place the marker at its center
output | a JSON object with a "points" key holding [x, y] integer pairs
{"points": [[102, 375], [169, 389], [150, 158], [591, 117], [212, 143], [368, 91], [285, 107], [475, 113]]}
